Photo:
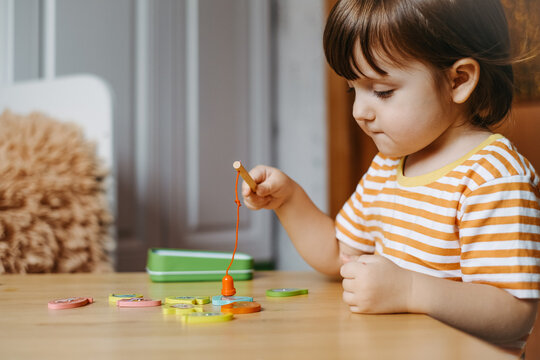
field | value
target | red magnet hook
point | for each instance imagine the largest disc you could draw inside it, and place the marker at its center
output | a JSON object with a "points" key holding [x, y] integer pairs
{"points": [[228, 286]]}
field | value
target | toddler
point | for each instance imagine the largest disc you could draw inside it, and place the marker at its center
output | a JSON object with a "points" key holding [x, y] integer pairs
{"points": [[446, 221]]}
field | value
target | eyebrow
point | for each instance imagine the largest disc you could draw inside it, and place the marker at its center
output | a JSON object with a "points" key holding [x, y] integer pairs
{"points": [[362, 77], [373, 79]]}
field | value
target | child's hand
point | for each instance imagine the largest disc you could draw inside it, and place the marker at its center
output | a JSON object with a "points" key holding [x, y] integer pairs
{"points": [[373, 284], [274, 188], [347, 253]]}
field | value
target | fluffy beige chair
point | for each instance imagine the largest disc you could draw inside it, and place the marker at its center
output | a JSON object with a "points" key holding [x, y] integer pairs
{"points": [[53, 208]]}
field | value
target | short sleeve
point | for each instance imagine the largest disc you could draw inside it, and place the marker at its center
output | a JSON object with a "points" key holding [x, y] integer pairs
{"points": [[499, 231], [350, 223]]}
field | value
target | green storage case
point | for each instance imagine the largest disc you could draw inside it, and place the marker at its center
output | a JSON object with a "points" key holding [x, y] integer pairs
{"points": [[196, 265]]}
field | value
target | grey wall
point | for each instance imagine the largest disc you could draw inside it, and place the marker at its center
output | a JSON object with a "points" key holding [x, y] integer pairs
{"points": [[300, 146], [138, 47]]}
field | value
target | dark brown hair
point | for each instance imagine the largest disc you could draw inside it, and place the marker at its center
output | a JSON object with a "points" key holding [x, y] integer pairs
{"points": [[434, 32]]}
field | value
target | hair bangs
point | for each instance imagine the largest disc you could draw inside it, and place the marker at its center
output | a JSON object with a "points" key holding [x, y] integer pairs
{"points": [[340, 37], [363, 28]]}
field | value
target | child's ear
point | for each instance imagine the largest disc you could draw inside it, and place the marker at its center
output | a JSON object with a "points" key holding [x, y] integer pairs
{"points": [[464, 75]]}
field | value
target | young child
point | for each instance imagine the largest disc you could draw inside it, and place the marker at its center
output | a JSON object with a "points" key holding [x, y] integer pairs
{"points": [[446, 221]]}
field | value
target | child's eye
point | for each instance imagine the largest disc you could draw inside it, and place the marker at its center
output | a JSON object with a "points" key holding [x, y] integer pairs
{"points": [[383, 94], [350, 90]]}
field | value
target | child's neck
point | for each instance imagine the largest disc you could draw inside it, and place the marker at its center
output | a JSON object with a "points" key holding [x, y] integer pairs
{"points": [[449, 147]]}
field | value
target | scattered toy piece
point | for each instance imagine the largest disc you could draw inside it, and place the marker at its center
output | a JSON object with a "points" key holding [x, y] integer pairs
{"points": [[138, 302], [181, 309], [241, 307], [206, 317], [223, 300], [69, 303], [199, 300], [285, 292], [113, 298]]}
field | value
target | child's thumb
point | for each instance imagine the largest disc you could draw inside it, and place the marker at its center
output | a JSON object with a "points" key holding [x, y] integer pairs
{"points": [[263, 190], [345, 258]]}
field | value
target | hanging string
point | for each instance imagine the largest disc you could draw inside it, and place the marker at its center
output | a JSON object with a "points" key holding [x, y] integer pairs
{"points": [[237, 219]]}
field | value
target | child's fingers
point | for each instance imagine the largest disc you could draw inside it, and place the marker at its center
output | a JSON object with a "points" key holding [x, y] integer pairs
{"points": [[367, 259], [348, 253], [348, 297], [264, 189], [265, 182], [250, 204], [272, 187], [258, 174], [345, 258], [255, 202], [348, 285], [349, 270]]}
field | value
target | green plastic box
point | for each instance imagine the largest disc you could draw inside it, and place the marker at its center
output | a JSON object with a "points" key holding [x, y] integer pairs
{"points": [[170, 265]]}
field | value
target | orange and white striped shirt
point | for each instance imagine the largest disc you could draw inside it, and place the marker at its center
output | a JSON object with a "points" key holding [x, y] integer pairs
{"points": [[475, 220]]}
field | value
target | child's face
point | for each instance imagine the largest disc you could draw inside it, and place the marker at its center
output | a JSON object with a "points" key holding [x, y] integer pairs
{"points": [[403, 111]]}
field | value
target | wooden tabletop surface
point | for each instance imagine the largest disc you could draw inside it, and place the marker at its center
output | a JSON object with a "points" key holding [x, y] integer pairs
{"points": [[313, 326]]}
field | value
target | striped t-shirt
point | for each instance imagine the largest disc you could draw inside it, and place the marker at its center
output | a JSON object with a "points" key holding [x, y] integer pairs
{"points": [[475, 220]]}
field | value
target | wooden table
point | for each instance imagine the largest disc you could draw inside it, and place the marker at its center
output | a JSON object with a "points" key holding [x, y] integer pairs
{"points": [[313, 326]]}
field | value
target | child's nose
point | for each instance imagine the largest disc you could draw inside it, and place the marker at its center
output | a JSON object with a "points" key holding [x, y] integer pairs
{"points": [[362, 111]]}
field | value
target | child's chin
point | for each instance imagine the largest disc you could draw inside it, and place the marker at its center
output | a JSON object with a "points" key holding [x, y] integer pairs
{"points": [[390, 153]]}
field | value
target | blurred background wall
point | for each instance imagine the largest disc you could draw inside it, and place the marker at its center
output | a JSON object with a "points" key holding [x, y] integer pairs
{"points": [[197, 84]]}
